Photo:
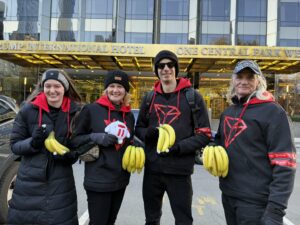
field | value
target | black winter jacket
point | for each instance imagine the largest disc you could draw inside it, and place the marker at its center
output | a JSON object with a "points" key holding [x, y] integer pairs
{"points": [[262, 158], [174, 109], [106, 173], [44, 192]]}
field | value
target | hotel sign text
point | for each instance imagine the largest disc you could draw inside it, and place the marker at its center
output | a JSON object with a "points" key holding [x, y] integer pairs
{"points": [[148, 50]]}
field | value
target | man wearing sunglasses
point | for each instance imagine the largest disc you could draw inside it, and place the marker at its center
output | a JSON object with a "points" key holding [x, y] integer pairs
{"points": [[170, 170]]}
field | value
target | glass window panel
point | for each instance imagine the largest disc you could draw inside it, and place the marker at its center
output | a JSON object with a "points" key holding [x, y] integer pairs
{"points": [[173, 38], [133, 37], [175, 9], [289, 14], [63, 8], [64, 35], [65, 11], [91, 36], [139, 9], [24, 14], [99, 9], [289, 42], [254, 10], [215, 39], [251, 40], [218, 10], [10, 9]]}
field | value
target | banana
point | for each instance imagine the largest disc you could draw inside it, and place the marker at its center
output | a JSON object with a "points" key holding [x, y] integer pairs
{"points": [[208, 157], [205, 157], [142, 160], [166, 144], [171, 132], [132, 159], [225, 172], [54, 145], [126, 156], [137, 157], [209, 160], [218, 161], [48, 145], [225, 159], [214, 169], [161, 140]]}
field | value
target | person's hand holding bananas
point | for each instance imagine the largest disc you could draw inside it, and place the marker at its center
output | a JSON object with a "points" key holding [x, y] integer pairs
{"points": [[38, 137]]}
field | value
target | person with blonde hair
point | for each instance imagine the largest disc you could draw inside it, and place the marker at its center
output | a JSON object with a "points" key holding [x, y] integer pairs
{"points": [[255, 132], [105, 181], [45, 190]]}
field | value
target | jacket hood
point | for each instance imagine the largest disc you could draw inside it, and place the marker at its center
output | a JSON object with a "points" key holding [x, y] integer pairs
{"points": [[254, 100], [103, 100], [181, 84], [41, 102]]}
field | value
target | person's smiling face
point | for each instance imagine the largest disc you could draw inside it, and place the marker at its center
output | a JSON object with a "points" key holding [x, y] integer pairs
{"points": [[166, 70], [116, 93], [54, 92], [245, 83]]}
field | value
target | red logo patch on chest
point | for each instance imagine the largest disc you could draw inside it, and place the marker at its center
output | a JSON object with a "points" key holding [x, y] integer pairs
{"points": [[233, 127], [166, 113]]}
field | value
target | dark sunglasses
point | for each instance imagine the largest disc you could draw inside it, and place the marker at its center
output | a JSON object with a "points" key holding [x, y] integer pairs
{"points": [[170, 65]]}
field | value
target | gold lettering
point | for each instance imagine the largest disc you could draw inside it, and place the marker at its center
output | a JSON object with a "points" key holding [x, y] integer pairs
{"points": [[102, 49], [292, 53], [187, 51], [204, 51]]}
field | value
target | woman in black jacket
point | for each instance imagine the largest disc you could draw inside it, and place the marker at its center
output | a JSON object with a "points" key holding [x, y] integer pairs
{"points": [[105, 181], [45, 191]]}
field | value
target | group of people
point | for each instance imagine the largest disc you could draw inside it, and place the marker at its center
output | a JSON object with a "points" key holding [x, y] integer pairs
{"points": [[254, 130]]}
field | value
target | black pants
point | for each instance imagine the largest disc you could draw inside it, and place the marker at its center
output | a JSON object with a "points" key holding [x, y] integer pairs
{"points": [[239, 212], [104, 206], [180, 193]]}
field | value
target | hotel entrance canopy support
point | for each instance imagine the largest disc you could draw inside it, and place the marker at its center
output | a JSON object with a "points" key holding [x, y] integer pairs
{"points": [[139, 57]]}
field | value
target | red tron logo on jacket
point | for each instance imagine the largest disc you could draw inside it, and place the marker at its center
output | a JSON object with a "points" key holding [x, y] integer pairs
{"points": [[233, 127]]}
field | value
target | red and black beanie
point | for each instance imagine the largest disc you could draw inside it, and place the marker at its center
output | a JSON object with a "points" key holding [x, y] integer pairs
{"points": [[117, 76], [166, 54]]}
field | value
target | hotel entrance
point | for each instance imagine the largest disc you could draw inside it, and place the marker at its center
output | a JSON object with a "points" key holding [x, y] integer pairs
{"points": [[208, 67]]}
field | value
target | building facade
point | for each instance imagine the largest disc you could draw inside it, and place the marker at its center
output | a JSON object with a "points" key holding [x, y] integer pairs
{"points": [[193, 23]]}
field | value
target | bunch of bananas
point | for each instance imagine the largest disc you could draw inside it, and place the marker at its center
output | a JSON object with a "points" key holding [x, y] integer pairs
{"points": [[52, 145], [133, 159], [166, 138], [215, 160]]}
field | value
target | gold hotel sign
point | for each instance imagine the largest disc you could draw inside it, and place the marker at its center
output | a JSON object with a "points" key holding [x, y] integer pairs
{"points": [[149, 50], [188, 54]]}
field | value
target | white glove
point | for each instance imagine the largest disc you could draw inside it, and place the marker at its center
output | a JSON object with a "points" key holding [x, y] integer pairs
{"points": [[118, 129]]}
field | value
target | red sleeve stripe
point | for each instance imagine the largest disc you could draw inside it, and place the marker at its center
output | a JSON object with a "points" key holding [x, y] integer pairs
{"points": [[282, 155], [206, 131], [287, 163]]}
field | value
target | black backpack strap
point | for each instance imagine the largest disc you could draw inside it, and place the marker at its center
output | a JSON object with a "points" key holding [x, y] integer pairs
{"points": [[149, 96], [191, 98]]}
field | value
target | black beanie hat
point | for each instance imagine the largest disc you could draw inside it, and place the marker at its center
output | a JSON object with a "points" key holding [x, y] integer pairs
{"points": [[117, 76], [166, 54]]}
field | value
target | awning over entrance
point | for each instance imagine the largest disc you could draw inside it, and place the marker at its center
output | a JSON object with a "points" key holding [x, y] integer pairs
{"points": [[139, 57]]}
